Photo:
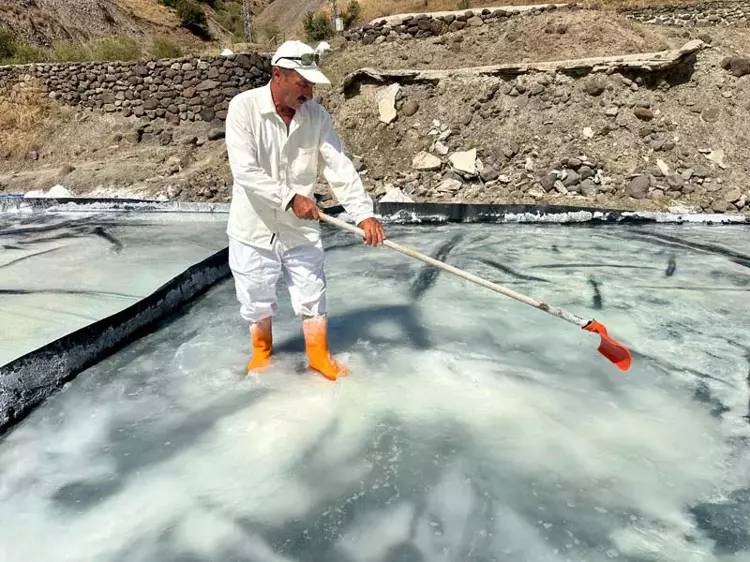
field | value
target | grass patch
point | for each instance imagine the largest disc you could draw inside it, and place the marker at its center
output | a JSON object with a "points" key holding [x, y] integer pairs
{"points": [[106, 49], [27, 116], [163, 48]]}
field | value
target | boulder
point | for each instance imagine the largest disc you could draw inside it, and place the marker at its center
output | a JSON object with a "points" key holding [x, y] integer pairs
{"points": [[638, 187]]}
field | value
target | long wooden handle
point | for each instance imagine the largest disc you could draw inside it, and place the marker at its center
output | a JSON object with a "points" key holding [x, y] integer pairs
{"points": [[554, 311]]}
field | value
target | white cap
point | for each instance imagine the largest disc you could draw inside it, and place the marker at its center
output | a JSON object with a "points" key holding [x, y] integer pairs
{"points": [[288, 55]]}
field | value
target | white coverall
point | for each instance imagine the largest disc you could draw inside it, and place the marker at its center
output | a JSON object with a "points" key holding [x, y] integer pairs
{"points": [[270, 165]]}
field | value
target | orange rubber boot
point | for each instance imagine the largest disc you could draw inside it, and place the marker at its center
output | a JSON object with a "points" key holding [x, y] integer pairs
{"points": [[261, 335], [316, 344]]}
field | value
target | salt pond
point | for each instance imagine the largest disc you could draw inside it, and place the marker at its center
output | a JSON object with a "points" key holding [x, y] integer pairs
{"points": [[472, 428]]}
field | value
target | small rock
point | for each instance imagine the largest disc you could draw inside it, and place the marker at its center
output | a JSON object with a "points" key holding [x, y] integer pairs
{"points": [[574, 163], [594, 86], [216, 133], [395, 195], [571, 179], [717, 157], [588, 133], [441, 148], [426, 161], [536, 193], [644, 114], [510, 150], [638, 187], [548, 181], [386, 98], [410, 107], [711, 114], [173, 164], [475, 21], [663, 168], [733, 195], [489, 173], [588, 188], [611, 111], [720, 206], [586, 172], [535, 89], [737, 66], [701, 172], [465, 161], [449, 185]]}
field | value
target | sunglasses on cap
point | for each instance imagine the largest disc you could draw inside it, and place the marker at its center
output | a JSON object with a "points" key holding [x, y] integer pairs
{"points": [[307, 59]]}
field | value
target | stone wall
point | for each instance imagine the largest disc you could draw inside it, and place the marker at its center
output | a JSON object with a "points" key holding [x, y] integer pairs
{"points": [[186, 89], [427, 25], [722, 12]]}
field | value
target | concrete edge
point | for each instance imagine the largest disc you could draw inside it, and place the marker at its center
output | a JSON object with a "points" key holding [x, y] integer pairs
{"points": [[402, 213], [426, 213], [27, 381]]}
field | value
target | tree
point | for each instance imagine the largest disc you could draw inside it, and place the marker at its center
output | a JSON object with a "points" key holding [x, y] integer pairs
{"points": [[247, 18]]}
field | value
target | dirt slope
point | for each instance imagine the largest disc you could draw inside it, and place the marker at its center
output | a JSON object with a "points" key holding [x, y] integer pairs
{"points": [[42, 22], [684, 141]]}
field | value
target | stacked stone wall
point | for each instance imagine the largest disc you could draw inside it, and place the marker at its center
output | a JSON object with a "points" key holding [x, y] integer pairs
{"points": [[178, 90]]}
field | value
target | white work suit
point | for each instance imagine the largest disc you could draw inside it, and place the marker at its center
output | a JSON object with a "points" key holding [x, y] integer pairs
{"points": [[271, 164]]}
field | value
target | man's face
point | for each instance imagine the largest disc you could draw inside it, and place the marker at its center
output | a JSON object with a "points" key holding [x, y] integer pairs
{"points": [[293, 89]]}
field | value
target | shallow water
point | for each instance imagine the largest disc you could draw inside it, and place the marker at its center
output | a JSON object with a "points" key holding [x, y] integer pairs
{"points": [[471, 428], [62, 271]]}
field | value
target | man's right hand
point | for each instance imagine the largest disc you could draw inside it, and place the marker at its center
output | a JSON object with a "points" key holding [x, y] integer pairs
{"points": [[304, 208]]}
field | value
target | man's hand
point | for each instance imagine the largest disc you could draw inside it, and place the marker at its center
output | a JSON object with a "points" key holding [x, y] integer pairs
{"points": [[304, 208], [374, 234]]}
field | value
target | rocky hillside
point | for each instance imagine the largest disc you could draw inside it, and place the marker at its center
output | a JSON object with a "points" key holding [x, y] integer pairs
{"points": [[626, 138], [630, 139], [42, 22]]}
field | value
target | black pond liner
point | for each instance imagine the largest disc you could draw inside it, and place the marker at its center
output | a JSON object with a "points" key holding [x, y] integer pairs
{"points": [[27, 381]]}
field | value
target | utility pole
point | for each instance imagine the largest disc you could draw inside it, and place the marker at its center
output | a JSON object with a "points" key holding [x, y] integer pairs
{"points": [[335, 17], [248, 21]]}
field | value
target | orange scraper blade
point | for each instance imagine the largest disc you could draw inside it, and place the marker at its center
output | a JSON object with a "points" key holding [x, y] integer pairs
{"points": [[615, 352]]}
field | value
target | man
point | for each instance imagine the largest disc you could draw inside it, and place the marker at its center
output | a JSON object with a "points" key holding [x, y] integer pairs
{"points": [[276, 138]]}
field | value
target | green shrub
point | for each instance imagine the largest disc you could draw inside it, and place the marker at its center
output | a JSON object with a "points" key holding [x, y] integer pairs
{"points": [[192, 17], [270, 34], [317, 26], [163, 48], [462, 5], [229, 16], [351, 14], [69, 51], [116, 48], [7, 44], [27, 54]]}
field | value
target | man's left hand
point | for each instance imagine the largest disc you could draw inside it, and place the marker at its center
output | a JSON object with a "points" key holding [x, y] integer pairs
{"points": [[374, 234]]}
